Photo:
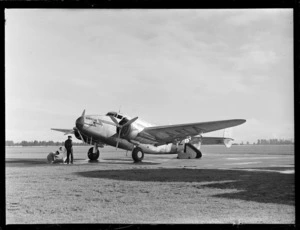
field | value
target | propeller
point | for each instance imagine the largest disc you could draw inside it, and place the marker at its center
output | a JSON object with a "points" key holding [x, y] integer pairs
{"points": [[79, 124], [83, 118], [121, 126]]}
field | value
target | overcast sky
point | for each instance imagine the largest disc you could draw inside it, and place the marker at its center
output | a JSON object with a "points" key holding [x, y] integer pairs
{"points": [[165, 66]]}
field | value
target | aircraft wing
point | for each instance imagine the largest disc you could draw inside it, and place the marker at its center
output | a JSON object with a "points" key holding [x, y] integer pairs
{"points": [[66, 131], [169, 133]]}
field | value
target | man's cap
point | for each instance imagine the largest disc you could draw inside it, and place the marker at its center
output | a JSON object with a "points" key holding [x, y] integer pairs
{"points": [[69, 136]]}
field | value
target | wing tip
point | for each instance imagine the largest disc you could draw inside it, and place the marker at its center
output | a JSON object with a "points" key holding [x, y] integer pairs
{"points": [[239, 121], [242, 120]]}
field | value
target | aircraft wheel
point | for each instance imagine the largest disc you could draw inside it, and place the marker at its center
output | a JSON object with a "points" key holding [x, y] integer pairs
{"points": [[137, 154], [199, 154], [93, 156]]}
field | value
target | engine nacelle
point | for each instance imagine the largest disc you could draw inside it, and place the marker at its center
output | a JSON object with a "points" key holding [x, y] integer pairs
{"points": [[129, 132]]}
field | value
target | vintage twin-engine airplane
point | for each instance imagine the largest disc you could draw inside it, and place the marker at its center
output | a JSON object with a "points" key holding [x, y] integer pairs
{"points": [[141, 137]]}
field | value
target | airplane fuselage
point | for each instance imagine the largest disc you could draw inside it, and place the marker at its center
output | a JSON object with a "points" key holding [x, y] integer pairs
{"points": [[98, 129]]}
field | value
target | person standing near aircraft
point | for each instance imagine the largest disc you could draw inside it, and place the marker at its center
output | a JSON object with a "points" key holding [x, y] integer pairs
{"points": [[69, 147]]}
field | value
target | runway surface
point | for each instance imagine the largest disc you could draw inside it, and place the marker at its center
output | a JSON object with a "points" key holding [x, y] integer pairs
{"points": [[243, 184]]}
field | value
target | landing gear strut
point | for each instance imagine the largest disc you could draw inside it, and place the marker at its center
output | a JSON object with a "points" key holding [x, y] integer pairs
{"points": [[137, 154], [93, 153]]}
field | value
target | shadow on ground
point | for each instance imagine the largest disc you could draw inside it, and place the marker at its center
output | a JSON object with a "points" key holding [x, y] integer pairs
{"points": [[116, 159], [24, 162], [126, 161], [130, 163], [40, 162], [270, 168], [264, 187]]}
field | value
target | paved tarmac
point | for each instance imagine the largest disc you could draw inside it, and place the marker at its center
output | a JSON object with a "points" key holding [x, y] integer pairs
{"points": [[214, 157], [236, 185]]}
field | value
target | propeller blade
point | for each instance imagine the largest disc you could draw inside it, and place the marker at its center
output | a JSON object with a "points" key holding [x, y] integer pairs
{"points": [[130, 121], [75, 129], [115, 121], [83, 116], [118, 138]]}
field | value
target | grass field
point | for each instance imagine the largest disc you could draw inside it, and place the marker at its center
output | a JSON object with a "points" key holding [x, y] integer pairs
{"points": [[219, 188]]}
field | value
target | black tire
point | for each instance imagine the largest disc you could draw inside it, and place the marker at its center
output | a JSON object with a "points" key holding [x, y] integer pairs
{"points": [[199, 154], [136, 152], [93, 156]]}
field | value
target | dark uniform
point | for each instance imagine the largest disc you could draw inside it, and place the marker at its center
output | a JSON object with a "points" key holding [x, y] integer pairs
{"points": [[69, 147]]}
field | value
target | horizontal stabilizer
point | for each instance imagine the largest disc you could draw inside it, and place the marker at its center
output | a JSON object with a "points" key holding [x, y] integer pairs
{"points": [[217, 141], [66, 131]]}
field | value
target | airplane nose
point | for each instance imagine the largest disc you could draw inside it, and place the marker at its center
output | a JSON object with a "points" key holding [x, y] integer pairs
{"points": [[80, 122]]}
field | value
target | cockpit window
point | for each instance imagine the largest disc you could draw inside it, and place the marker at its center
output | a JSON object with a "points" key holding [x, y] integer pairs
{"points": [[111, 114], [114, 114]]}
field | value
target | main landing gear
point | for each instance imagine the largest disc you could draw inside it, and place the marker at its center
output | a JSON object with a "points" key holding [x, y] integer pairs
{"points": [[137, 154], [93, 153], [199, 154], [190, 152]]}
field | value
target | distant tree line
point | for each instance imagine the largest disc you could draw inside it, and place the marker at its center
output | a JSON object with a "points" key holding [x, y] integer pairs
{"points": [[52, 143], [269, 142], [274, 142], [40, 143]]}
